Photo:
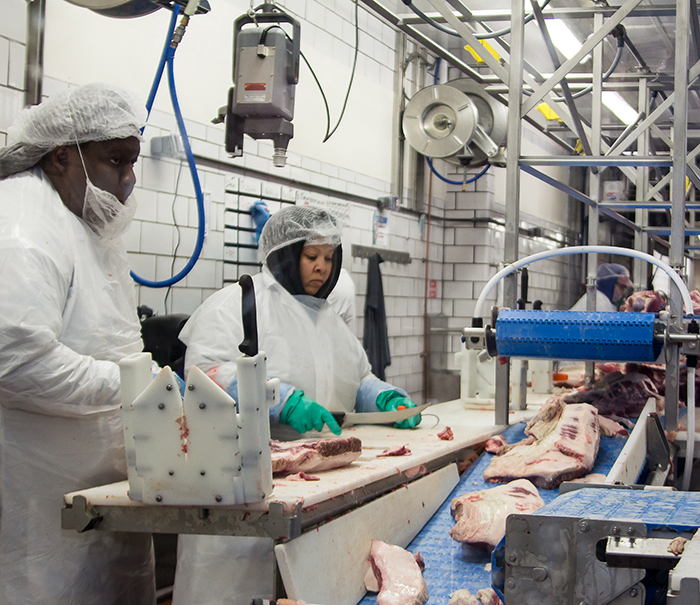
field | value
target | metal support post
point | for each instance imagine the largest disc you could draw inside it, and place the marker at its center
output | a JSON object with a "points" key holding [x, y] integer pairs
{"points": [[594, 183], [676, 253], [34, 55], [512, 201], [640, 273]]}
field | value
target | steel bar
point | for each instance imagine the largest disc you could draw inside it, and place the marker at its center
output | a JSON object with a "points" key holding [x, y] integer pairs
{"points": [[512, 200], [563, 83], [34, 53], [593, 40], [467, 35], [680, 149], [667, 10], [614, 160], [640, 268], [660, 109]]}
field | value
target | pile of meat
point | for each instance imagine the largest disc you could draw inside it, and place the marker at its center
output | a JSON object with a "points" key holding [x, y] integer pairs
{"points": [[650, 301], [481, 516], [562, 444], [619, 394], [396, 574], [313, 456]]}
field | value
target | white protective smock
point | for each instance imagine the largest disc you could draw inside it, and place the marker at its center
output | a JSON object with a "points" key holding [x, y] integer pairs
{"points": [[67, 316], [308, 346], [342, 299], [602, 303]]}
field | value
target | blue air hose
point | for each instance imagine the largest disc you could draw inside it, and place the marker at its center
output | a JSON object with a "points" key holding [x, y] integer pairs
{"points": [[469, 180], [168, 58]]}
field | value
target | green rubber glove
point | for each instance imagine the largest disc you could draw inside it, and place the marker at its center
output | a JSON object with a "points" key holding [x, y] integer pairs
{"points": [[388, 401], [304, 414]]}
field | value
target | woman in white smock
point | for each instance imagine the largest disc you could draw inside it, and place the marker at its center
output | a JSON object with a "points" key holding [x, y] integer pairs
{"points": [[321, 367]]}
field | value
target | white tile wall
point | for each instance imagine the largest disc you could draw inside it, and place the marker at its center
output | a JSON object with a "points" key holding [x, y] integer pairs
{"points": [[462, 255]]}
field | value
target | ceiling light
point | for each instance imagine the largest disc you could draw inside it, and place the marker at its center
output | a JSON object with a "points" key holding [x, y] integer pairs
{"points": [[615, 103], [563, 38]]}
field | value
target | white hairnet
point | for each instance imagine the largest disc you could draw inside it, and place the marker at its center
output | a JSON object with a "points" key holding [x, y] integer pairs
{"points": [[610, 271], [93, 112], [292, 224]]}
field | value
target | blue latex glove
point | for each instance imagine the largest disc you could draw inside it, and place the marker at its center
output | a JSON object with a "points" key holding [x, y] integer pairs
{"points": [[181, 385], [388, 401], [260, 214], [304, 414]]}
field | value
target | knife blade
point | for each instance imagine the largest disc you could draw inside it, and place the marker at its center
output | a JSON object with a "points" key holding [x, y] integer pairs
{"points": [[350, 418]]}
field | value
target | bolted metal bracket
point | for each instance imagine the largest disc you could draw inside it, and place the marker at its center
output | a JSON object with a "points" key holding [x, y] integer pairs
{"points": [[79, 515], [281, 526]]}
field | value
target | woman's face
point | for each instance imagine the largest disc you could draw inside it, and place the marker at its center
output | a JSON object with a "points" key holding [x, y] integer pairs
{"points": [[315, 266]]}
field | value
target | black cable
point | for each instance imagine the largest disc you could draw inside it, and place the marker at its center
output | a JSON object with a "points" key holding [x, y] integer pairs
{"points": [[452, 32], [352, 75], [329, 132]]}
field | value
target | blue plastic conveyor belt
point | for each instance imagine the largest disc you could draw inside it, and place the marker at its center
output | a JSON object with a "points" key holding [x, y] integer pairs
{"points": [[577, 335], [450, 565], [678, 511]]}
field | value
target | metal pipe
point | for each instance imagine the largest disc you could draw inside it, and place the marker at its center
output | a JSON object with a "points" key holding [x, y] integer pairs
{"points": [[34, 54]]}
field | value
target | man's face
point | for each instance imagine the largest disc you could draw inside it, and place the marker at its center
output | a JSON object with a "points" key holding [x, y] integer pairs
{"points": [[110, 166]]}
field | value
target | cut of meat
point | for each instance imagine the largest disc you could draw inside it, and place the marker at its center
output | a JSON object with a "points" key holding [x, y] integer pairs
{"points": [[616, 393], [463, 597], [546, 418], [488, 596], [610, 428], [446, 434], [592, 478], [496, 444], [567, 452], [481, 516], [313, 456], [648, 301], [399, 578], [397, 451], [302, 476]]}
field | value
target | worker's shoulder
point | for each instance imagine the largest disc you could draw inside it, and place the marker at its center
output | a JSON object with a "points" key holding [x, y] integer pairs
{"points": [[33, 218]]}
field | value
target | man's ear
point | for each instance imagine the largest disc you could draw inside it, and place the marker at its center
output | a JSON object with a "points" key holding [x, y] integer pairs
{"points": [[57, 160]]}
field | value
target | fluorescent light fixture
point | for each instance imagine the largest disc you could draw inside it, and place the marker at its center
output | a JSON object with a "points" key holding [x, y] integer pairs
{"points": [[615, 103], [563, 38]]}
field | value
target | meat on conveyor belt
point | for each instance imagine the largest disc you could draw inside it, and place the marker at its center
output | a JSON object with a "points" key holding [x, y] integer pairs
{"points": [[481, 516], [313, 456], [398, 575], [566, 439]]}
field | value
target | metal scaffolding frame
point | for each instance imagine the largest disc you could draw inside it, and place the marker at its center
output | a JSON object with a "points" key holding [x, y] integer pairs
{"points": [[514, 75]]}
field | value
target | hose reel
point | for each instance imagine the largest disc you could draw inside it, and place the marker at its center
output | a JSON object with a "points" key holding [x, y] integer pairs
{"points": [[458, 122]]}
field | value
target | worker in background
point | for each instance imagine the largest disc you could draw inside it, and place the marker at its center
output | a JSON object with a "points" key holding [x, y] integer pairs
{"points": [[321, 366], [342, 298], [67, 316], [613, 285]]}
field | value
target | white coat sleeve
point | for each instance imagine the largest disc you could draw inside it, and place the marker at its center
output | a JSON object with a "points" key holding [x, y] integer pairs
{"points": [[37, 372]]}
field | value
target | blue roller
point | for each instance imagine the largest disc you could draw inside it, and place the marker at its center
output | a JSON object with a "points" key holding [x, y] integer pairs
{"points": [[579, 335]]}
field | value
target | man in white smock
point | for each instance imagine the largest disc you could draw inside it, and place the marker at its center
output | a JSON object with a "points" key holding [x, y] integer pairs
{"points": [[612, 282], [67, 316], [321, 366]]}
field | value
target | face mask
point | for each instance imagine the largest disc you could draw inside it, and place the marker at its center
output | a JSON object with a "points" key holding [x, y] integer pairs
{"points": [[103, 212]]}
